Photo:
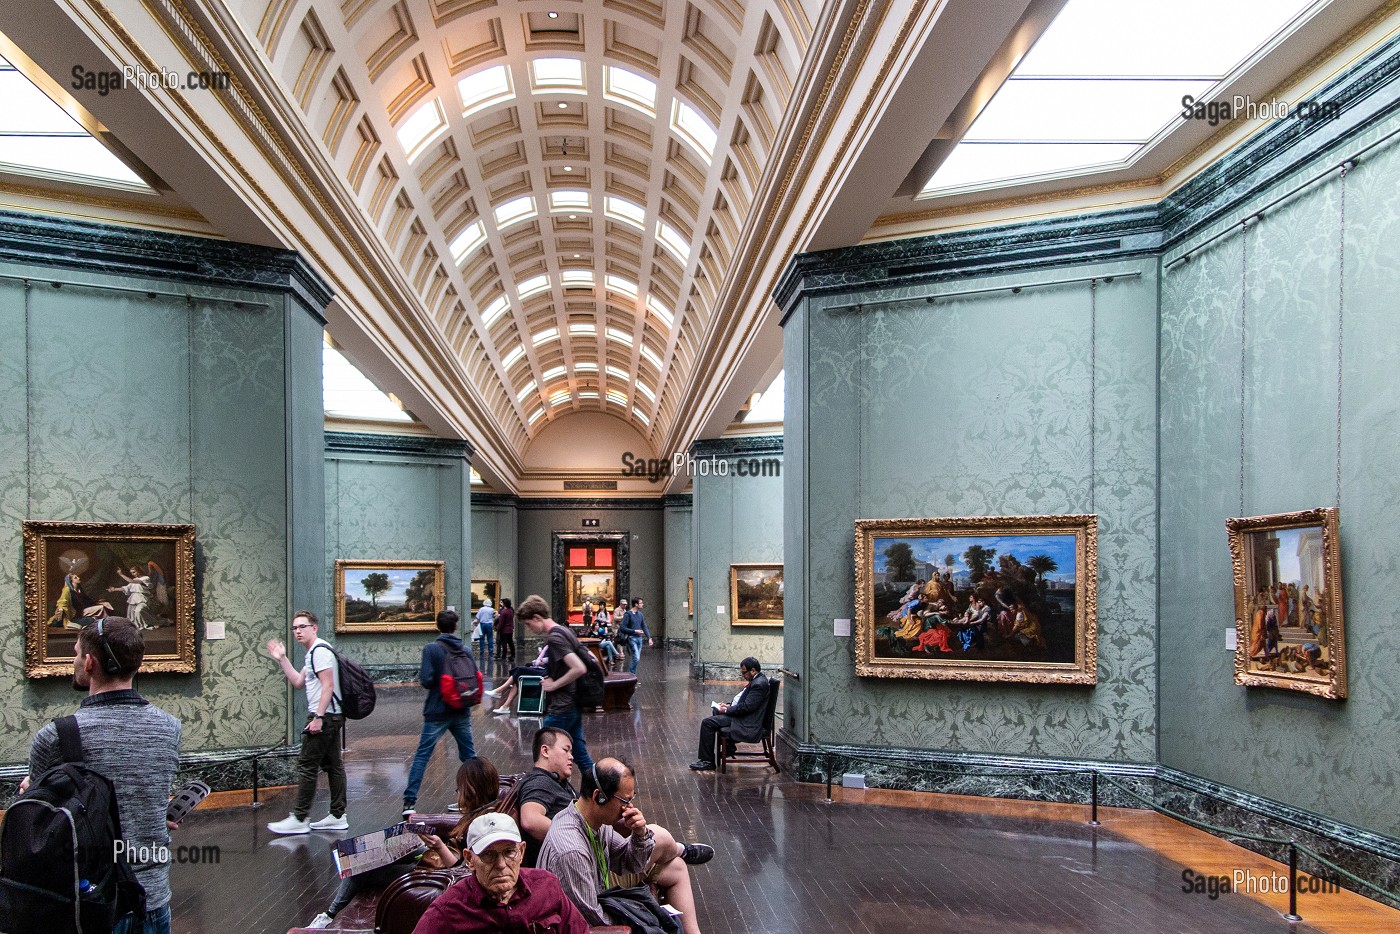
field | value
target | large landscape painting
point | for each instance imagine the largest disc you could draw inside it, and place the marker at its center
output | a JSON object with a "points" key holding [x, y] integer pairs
{"points": [[387, 596]]}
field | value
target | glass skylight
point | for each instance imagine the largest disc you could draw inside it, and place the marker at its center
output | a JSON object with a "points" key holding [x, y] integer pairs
{"points": [[587, 330], [694, 129], [423, 126], [569, 201], [553, 372], [515, 210], [512, 358], [347, 393], [616, 372], [540, 337], [662, 313], [631, 89], [769, 407], [476, 478], [622, 337], [645, 390], [561, 397], [670, 238], [524, 394], [641, 415], [1084, 98], [469, 239], [37, 136], [586, 367], [618, 284], [485, 88], [576, 279], [557, 74], [535, 416], [618, 396], [650, 356], [588, 394], [623, 210], [494, 310], [532, 286]]}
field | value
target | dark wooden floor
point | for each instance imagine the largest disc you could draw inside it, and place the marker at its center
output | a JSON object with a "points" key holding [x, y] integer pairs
{"points": [[786, 861]]}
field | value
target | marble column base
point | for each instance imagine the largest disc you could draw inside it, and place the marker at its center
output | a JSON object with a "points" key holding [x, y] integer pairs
{"points": [[714, 671], [393, 674]]}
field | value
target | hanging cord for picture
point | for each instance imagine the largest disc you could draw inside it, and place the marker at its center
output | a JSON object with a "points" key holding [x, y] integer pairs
{"points": [[1341, 303], [1244, 343], [28, 409], [1093, 392]]}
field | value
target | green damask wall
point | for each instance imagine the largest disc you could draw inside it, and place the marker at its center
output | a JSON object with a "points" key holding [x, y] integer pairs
{"points": [[123, 407], [679, 567], [494, 545], [968, 407], [396, 505], [1339, 758]]}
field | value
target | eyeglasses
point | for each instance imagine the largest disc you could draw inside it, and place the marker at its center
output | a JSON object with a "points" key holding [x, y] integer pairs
{"points": [[302, 626], [625, 802], [496, 857]]}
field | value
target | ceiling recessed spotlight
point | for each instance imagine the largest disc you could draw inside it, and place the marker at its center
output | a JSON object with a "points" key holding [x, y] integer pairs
{"points": [[563, 105], [568, 168], [573, 217], [576, 256], [552, 15]]}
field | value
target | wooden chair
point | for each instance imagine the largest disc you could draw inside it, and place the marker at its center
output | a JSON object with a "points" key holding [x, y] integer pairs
{"points": [[726, 741]]}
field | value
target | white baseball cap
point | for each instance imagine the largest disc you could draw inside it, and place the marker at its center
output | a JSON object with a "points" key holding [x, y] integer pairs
{"points": [[491, 828]]}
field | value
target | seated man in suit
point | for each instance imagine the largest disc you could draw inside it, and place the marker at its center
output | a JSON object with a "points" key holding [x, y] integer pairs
{"points": [[744, 717]]}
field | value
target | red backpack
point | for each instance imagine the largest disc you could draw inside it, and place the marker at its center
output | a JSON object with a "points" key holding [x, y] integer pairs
{"points": [[461, 683]]}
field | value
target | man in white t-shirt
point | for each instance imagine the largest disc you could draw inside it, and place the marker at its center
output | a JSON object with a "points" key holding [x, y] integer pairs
{"points": [[320, 740]]}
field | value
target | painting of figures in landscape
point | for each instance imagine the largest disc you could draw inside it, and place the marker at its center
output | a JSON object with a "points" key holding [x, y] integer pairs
{"points": [[1288, 602], [387, 596], [756, 593], [77, 572], [1000, 598], [593, 586]]}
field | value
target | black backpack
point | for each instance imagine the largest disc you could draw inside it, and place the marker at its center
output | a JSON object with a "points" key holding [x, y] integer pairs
{"points": [[588, 690], [58, 868], [356, 695], [460, 682]]}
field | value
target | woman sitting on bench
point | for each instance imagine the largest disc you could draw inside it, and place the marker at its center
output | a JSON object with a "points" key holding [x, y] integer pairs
{"points": [[508, 689]]}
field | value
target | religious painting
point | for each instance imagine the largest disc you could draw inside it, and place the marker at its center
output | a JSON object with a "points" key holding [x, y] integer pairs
{"points": [[75, 572], [756, 594], [388, 596], [483, 590], [987, 598], [1288, 602], [593, 585]]}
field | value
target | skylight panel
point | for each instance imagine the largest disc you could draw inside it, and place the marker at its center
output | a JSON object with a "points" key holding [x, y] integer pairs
{"points": [[645, 390], [468, 240], [476, 478], [641, 415], [623, 210], [583, 330], [650, 356], [615, 372], [588, 394], [659, 310], [525, 393], [485, 88], [629, 88], [694, 129], [493, 311], [979, 163], [617, 396], [769, 407], [535, 416], [348, 393], [512, 358], [618, 284], [561, 397], [532, 286], [569, 201], [557, 74], [1082, 110], [553, 373], [671, 239], [576, 278], [423, 126], [586, 367], [515, 210], [622, 337], [40, 137], [540, 337]]}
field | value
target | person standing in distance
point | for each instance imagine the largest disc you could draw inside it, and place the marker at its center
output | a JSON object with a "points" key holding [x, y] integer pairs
{"points": [[438, 718], [320, 739], [564, 665], [484, 618], [633, 627], [132, 742]]}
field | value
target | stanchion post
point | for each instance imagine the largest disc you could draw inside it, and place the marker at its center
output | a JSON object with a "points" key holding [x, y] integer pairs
{"points": [[1292, 883], [256, 803], [1094, 799], [828, 779]]}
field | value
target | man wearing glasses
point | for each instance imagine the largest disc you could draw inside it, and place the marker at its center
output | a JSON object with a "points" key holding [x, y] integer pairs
{"points": [[320, 740], [604, 835], [499, 895]]}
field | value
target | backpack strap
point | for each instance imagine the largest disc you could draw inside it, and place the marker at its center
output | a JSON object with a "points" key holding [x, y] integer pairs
{"points": [[70, 739], [335, 676]]}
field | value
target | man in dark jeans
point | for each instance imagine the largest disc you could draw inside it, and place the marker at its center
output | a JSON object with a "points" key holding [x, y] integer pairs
{"points": [[438, 718], [634, 628], [564, 665], [320, 739]]}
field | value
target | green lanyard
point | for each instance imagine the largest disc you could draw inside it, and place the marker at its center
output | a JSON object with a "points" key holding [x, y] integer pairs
{"points": [[600, 856]]}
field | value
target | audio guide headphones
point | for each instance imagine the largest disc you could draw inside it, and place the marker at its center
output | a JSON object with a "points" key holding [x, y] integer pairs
{"points": [[600, 797], [109, 658]]}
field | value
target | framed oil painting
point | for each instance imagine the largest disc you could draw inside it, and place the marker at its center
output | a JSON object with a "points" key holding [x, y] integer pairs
{"points": [[756, 594], [1288, 602], [591, 584], [77, 571], [989, 598], [388, 596], [690, 596], [483, 590]]}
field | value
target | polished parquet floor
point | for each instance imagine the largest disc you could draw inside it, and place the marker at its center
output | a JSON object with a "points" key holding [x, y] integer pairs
{"points": [[786, 860]]}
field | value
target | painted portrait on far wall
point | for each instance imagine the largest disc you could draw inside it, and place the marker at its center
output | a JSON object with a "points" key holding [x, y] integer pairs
{"points": [[987, 598], [1289, 630]]}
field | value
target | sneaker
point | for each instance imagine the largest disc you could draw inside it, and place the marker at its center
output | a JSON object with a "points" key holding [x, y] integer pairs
{"points": [[289, 825], [331, 822], [322, 920], [695, 854], [455, 808], [701, 765], [494, 692], [500, 710], [409, 810]]}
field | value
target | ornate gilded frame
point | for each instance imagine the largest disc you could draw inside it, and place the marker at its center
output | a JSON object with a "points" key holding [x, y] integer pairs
{"points": [[734, 618], [492, 592], [43, 544], [575, 576], [342, 565], [1242, 543], [1084, 668]]}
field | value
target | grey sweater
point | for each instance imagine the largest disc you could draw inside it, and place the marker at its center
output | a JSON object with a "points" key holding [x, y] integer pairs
{"points": [[137, 746]]}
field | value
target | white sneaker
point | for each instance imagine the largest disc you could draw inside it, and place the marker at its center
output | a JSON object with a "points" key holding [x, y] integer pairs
{"points": [[495, 692], [331, 822], [289, 825], [322, 920], [501, 710]]}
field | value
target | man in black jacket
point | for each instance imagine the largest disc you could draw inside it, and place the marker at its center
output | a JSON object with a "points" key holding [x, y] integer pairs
{"points": [[438, 718], [633, 628], [744, 716]]}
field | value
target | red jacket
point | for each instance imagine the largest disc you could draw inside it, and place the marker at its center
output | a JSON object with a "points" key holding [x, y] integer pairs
{"points": [[539, 906]]}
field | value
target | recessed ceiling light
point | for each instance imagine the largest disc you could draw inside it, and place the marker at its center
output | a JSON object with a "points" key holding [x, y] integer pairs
{"points": [[563, 105], [552, 15], [568, 168], [573, 217], [575, 256]]}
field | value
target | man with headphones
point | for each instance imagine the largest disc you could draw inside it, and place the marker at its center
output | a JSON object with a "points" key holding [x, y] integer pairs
{"points": [[604, 835], [132, 742]]}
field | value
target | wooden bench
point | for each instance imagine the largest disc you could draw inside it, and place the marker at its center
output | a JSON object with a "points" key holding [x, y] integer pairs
{"points": [[618, 688]]}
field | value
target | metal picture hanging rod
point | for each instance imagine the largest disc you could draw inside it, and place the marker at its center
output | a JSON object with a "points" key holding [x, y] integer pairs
{"points": [[1013, 289]]}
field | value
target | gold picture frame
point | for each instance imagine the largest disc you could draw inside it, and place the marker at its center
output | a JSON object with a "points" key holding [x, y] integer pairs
{"points": [[416, 586], [74, 571], [484, 588], [590, 583], [756, 594], [987, 598], [1290, 631], [690, 596]]}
